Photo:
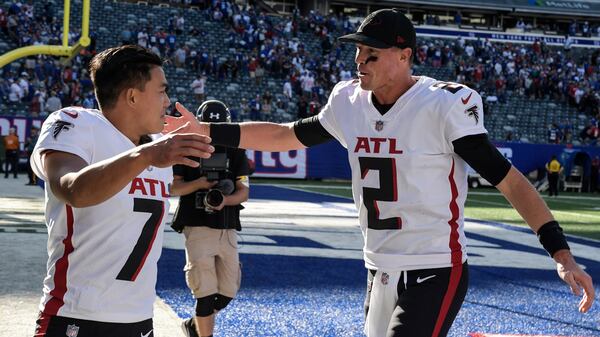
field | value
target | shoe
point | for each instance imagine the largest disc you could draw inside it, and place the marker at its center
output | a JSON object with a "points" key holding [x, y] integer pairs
{"points": [[189, 328]]}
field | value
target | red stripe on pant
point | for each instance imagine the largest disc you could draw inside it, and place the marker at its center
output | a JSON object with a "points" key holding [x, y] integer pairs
{"points": [[42, 325], [455, 275]]}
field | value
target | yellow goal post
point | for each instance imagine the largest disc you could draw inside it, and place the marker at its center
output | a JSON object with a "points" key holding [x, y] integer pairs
{"points": [[63, 50]]}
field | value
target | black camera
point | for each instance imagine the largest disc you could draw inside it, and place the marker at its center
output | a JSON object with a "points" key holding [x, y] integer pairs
{"points": [[214, 168]]}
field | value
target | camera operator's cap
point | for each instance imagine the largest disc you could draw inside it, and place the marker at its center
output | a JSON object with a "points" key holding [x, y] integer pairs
{"points": [[213, 111], [385, 28]]}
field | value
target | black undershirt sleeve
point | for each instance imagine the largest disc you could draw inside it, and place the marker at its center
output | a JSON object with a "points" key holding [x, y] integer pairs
{"points": [[309, 131], [483, 157]]}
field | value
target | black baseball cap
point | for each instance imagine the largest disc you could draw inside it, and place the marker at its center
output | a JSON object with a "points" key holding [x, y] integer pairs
{"points": [[385, 28], [213, 111]]}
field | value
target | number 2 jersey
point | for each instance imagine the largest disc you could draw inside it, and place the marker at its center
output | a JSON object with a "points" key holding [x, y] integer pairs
{"points": [[408, 184], [102, 260]]}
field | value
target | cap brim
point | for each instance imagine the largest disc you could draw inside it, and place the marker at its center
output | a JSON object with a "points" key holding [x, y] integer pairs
{"points": [[363, 39]]}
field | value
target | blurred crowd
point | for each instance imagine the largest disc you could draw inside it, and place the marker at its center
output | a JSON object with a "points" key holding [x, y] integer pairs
{"points": [[41, 84]]}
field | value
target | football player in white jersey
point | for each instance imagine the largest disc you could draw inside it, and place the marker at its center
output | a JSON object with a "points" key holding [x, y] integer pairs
{"points": [[409, 140], [107, 175]]}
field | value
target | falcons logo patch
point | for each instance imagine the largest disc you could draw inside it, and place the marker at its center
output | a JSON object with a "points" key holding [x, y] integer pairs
{"points": [[473, 111], [59, 126]]}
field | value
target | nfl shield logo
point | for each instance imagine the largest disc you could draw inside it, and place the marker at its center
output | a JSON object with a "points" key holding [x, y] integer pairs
{"points": [[385, 278], [379, 125], [72, 330]]}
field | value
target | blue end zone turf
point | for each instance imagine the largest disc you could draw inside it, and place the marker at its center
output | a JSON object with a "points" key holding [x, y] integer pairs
{"points": [[316, 296]]}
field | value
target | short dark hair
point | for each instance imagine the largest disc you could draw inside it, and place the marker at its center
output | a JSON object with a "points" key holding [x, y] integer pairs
{"points": [[119, 68]]}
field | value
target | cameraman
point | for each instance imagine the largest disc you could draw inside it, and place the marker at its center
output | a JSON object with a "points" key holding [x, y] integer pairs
{"points": [[209, 214]]}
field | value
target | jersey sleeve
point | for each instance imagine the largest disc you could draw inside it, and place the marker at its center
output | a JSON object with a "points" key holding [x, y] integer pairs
{"points": [[62, 132], [327, 116], [465, 116]]}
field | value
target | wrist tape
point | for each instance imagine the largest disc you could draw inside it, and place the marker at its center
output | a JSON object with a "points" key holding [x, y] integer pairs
{"points": [[552, 238]]}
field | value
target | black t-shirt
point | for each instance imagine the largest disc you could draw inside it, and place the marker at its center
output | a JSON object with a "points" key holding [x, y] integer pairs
{"points": [[229, 217]]}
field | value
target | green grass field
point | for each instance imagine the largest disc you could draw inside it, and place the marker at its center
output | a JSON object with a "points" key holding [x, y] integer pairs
{"points": [[578, 213]]}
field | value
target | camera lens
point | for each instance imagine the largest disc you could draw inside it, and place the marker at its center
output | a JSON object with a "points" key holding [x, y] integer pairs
{"points": [[213, 198]]}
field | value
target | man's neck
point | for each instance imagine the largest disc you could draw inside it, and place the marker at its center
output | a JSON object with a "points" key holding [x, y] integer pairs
{"points": [[390, 94], [121, 123]]}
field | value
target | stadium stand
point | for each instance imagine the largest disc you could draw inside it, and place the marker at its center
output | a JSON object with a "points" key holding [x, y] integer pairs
{"points": [[532, 91]]}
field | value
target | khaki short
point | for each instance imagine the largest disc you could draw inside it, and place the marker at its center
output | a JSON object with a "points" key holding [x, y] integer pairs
{"points": [[212, 261]]}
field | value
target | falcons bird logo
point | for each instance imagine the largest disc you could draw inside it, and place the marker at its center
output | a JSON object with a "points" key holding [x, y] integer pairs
{"points": [[473, 112], [59, 126]]}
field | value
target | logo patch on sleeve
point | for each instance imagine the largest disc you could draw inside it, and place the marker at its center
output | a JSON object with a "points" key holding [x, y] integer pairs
{"points": [[473, 111], [60, 126]]}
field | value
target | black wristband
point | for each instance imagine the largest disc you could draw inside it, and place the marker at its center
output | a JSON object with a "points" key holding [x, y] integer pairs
{"points": [[226, 134], [552, 238]]}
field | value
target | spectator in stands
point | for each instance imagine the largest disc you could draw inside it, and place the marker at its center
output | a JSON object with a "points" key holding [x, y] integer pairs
{"points": [[255, 108], [585, 29], [568, 44], [458, 18], [179, 24], [198, 86], [180, 56], [37, 105], [142, 38], [590, 133], [554, 169], [302, 108], [573, 28], [244, 109], [3, 22], [53, 103], [16, 92], [126, 36], [287, 89], [554, 134]]}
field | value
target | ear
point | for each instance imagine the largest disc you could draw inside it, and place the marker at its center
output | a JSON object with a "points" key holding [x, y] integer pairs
{"points": [[405, 54], [131, 96]]}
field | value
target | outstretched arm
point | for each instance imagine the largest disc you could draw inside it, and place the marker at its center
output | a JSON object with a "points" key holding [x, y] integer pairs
{"points": [[262, 136], [78, 184], [526, 200]]}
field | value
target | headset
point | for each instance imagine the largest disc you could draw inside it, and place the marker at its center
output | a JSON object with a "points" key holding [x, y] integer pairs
{"points": [[213, 111]]}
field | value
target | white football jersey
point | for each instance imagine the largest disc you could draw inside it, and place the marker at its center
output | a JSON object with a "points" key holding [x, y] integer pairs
{"points": [[102, 260], [408, 184]]}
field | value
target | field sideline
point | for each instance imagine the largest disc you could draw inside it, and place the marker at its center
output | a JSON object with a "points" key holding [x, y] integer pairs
{"points": [[578, 213]]}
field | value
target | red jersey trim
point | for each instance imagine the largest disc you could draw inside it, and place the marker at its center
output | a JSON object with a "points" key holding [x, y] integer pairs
{"points": [[456, 256], [60, 273]]}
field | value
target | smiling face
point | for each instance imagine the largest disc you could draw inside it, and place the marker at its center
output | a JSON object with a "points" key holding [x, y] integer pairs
{"points": [[379, 69], [151, 103]]}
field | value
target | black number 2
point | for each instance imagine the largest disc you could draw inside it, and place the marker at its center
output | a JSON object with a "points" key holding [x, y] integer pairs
{"points": [[387, 191], [449, 86], [140, 251]]}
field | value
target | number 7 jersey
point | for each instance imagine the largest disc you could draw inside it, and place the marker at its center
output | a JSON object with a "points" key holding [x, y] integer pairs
{"points": [[408, 184], [102, 260]]}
